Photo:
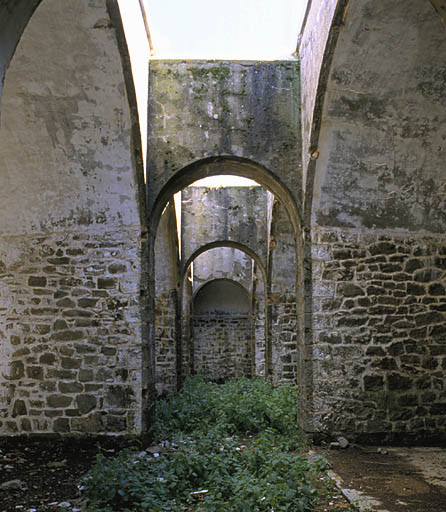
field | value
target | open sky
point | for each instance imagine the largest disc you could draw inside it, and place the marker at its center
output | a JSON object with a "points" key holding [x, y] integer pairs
{"points": [[225, 29], [209, 29]]}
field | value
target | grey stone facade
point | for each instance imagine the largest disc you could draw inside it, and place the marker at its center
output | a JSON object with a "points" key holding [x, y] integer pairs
{"points": [[71, 333], [342, 244], [379, 305]]}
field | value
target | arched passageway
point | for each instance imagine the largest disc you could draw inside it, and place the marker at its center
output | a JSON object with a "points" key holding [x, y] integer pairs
{"points": [[271, 243], [221, 331]]}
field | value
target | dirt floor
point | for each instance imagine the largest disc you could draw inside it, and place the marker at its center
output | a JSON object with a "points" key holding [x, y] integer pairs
{"points": [[392, 479], [46, 473]]}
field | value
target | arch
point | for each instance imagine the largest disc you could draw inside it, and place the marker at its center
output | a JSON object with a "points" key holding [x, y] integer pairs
{"points": [[222, 344], [214, 166], [213, 282], [14, 16], [223, 243], [69, 124]]}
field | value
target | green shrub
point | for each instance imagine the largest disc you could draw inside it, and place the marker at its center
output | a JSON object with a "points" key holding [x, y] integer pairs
{"points": [[234, 443]]}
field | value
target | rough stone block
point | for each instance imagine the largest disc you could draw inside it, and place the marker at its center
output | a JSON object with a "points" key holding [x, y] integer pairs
{"points": [[86, 403], [59, 401], [37, 281]]}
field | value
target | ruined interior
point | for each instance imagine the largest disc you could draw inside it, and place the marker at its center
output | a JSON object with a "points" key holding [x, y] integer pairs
{"points": [[117, 280]]}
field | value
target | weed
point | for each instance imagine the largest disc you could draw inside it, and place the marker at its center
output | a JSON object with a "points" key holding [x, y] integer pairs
{"points": [[234, 452]]}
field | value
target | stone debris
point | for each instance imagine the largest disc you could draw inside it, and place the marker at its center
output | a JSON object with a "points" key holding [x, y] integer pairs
{"points": [[343, 442], [13, 485]]}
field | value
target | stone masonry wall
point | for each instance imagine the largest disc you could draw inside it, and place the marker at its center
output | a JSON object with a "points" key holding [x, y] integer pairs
{"points": [[70, 333], [379, 320], [282, 313], [258, 315], [236, 214], [222, 346], [166, 303]]}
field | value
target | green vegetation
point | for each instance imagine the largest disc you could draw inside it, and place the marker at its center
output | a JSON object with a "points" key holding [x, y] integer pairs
{"points": [[227, 448], [216, 72]]}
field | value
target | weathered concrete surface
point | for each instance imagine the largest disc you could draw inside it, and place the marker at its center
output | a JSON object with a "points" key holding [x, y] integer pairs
{"points": [[314, 51], [223, 263], [391, 479], [236, 214], [65, 138], [14, 15], [71, 252], [381, 145], [201, 109]]}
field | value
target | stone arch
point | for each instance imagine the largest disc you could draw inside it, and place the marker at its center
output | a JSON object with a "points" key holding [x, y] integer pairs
{"points": [[213, 282], [223, 243], [221, 330], [72, 192], [258, 298], [213, 166], [374, 206]]}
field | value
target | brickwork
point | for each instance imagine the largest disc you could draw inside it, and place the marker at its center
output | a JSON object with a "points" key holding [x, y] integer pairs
{"points": [[379, 321], [71, 333]]}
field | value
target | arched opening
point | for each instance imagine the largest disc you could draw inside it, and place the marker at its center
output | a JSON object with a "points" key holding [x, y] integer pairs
{"points": [[205, 231], [238, 263], [221, 331]]}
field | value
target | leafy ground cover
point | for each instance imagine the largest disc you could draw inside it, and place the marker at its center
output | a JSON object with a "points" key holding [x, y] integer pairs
{"points": [[223, 448]]}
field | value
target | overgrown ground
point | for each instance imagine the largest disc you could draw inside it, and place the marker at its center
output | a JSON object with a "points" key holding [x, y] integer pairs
{"points": [[221, 448], [227, 448]]}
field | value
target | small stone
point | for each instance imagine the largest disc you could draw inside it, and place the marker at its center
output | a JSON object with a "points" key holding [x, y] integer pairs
{"points": [[334, 446], [11, 485], [382, 451], [343, 442], [64, 504]]}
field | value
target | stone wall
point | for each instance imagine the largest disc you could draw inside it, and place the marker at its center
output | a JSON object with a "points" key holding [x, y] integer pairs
{"points": [[379, 321], [236, 214], [206, 109], [259, 321], [222, 346], [167, 303], [282, 313], [72, 237], [71, 330]]}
